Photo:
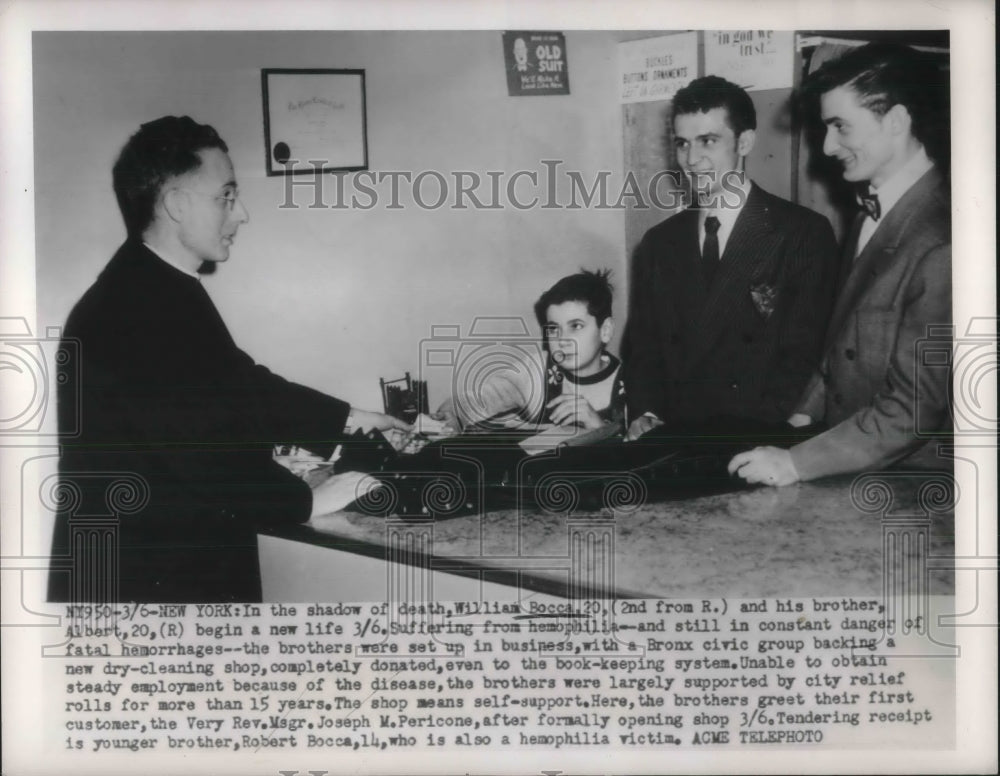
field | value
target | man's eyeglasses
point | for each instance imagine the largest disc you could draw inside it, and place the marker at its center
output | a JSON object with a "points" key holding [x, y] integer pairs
{"points": [[229, 198]]}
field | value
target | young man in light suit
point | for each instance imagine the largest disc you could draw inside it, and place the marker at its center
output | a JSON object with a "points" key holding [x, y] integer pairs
{"points": [[730, 297], [878, 103]]}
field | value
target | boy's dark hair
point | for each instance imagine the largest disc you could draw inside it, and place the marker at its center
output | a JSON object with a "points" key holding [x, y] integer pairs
{"points": [[884, 75], [591, 288], [160, 150], [704, 94]]}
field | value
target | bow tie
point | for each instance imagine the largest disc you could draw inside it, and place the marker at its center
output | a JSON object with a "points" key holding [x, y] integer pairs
{"points": [[870, 203]]}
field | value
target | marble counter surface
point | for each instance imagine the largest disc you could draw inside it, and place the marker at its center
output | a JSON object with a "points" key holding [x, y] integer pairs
{"points": [[829, 538]]}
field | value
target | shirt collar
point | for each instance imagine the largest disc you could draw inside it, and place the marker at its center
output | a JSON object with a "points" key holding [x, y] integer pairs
{"points": [[892, 190], [727, 215], [172, 263]]}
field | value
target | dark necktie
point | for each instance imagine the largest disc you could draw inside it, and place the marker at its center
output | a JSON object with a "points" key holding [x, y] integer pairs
{"points": [[870, 203], [710, 250]]}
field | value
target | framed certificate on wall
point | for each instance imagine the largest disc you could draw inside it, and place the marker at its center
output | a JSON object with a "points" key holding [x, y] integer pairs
{"points": [[314, 120]]}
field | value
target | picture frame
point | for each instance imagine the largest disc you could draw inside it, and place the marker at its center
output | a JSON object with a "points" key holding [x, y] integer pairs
{"points": [[314, 120]]}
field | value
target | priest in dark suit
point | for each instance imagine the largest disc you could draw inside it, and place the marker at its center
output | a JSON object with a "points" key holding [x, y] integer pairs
{"points": [[730, 297], [167, 399], [879, 103]]}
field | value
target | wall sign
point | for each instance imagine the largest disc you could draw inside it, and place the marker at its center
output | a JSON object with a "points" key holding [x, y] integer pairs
{"points": [[535, 63], [655, 68], [754, 59]]}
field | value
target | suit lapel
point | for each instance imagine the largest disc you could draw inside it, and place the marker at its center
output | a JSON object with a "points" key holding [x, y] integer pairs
{"points": [[751, 244], [848, 279], [850, 251], [881, 248], [681, 279]]}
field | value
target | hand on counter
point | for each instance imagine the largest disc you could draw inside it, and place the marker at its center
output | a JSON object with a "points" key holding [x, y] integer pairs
{"points": [[765, 466], [336, 492], [572, 409], [641, 425]]}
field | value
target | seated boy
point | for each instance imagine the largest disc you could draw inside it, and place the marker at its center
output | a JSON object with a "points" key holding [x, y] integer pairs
{"points": [[579, 384]]}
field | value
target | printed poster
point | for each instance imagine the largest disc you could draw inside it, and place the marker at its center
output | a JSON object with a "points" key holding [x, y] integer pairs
{"points": [[754, 59], [535, 63], [655, 68]]}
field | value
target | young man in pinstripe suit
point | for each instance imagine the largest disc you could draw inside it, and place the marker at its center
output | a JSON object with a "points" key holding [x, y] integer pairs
{"points": [[730, 297]]}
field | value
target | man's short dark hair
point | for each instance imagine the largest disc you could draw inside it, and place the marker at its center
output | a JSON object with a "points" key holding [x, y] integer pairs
{"points": [[160, 150], [593, 289], [705, 94], [884, 75]]}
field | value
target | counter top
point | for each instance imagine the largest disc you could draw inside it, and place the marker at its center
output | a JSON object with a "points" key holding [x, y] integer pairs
{"points": [[828, 538]]}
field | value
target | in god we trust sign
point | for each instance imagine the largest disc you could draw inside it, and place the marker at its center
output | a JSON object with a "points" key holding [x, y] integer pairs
{"points": [[535, 63], [754, 59]]}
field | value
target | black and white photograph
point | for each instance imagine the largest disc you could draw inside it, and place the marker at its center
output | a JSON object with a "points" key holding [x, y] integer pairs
{"points": [[498, 391]]}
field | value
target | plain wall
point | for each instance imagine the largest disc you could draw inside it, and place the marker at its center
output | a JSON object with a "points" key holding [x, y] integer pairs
{"points": [[335, 298]]}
